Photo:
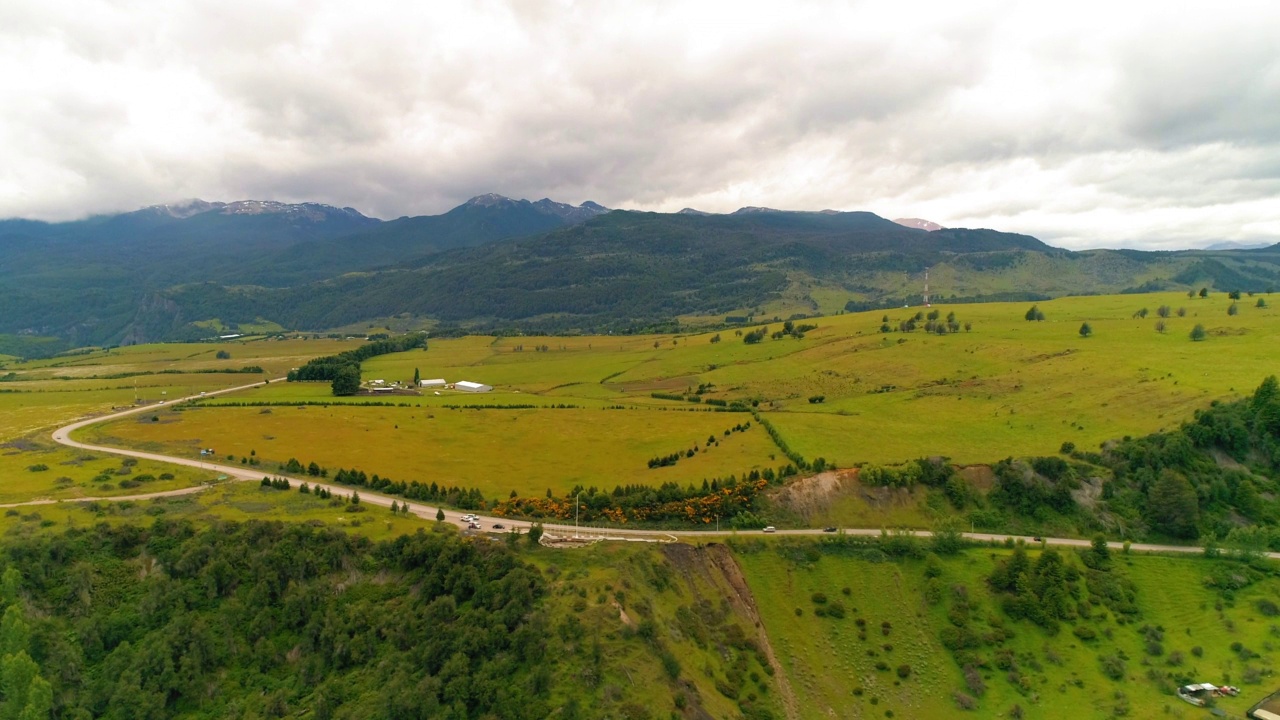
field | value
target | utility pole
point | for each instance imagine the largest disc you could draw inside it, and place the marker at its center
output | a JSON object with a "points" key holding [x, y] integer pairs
{"points": [[575, 514]]}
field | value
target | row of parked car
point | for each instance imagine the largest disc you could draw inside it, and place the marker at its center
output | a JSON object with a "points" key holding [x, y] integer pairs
{"points": [[473, 523]]}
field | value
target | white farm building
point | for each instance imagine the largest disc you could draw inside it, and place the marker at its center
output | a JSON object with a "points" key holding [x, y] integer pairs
{"points": [[468, 386], [434, 382]]}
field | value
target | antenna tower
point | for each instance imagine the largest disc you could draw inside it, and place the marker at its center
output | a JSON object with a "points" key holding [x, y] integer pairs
{"points": [[926, 288]]}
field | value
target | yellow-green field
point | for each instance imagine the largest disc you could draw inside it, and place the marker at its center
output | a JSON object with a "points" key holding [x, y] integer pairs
{"points": [[1007, 386], [51, 392], [42, 470], [497, 451]]}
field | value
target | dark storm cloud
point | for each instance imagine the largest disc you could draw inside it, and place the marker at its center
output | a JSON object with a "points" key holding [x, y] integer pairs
{"points": [[1093, 124]]}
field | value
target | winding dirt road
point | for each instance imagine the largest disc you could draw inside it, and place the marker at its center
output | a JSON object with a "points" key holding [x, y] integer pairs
{"points": [[238, 473]]}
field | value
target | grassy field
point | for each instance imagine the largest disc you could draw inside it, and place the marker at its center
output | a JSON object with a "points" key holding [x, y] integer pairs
{"points": [[46, 393], [42, 470], [839, 671], [1004, 386], [498, 451]]}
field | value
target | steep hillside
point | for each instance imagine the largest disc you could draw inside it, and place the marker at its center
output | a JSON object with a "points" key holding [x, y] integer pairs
{"points": [[892, 629]]}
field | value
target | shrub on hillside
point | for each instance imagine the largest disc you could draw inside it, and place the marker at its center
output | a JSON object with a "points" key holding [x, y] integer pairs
{"points": [[1112, 666], [964, 701]]}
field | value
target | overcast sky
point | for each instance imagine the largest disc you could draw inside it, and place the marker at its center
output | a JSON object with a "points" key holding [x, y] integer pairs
{"points": [[1135, 124]]}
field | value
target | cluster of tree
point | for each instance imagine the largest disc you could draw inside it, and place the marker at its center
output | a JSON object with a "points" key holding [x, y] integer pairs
{"points": [[933, 472], [271, 620], [1027, 487], [790, 329], [731, 499], [275, 483], [1035, 314], [325, 493], [1174, 482], [343, 369], [932, 323], [673, 458], [719, 404]]}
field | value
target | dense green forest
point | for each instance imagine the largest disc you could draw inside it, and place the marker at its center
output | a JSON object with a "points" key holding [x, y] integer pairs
{"points": [[268, 620]]}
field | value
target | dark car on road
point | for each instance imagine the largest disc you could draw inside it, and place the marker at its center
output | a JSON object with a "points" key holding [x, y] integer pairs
{"points": [[828, 529]]}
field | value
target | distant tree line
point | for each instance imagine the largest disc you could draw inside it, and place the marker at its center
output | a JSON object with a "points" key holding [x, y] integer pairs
{"points": [[673, 458], [817, 466]]}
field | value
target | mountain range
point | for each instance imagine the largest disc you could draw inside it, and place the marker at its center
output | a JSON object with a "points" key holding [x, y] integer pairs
{"points": [[495, 263]]}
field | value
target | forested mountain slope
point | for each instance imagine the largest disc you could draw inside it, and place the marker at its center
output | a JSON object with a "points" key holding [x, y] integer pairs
{"points": [[96, 280], [507, 265]]}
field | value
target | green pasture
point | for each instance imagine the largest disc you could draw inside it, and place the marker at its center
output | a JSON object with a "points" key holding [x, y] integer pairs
{"points": [[497, 451], [830, 661], [1006, 386], [47, 393]]}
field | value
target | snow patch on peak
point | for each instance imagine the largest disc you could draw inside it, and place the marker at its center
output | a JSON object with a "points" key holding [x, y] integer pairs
{"points": [[919, 224], [183, 209], [490, 200]]}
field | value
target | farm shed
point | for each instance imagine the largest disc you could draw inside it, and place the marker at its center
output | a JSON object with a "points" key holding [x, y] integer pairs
{"points": [[468, 386], [434, 382], [1267, 709]]}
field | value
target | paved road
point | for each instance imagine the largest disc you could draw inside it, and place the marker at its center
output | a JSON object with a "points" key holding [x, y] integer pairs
{"points": [[241, 473]]}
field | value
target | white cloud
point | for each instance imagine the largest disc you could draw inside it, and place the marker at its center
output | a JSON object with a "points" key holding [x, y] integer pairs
{"points": [[1087, 124]]}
